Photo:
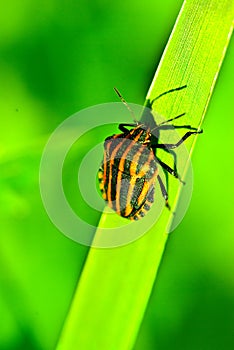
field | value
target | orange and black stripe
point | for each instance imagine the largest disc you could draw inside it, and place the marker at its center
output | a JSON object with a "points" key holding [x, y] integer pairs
{"points": [[128, 173]]}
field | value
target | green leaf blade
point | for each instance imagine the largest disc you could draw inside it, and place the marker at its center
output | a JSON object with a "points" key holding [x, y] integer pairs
{"points": [[115, 286]]}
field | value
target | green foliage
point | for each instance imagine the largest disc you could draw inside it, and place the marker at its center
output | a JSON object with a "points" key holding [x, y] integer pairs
{"points": [[55, 59], [116, 283]]}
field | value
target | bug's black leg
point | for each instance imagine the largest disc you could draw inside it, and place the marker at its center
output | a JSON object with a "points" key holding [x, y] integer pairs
{"points": [[164, 192], [169, 170], [165, 166], [171, 145], [122, 127], [165, 169], [174, 155]]}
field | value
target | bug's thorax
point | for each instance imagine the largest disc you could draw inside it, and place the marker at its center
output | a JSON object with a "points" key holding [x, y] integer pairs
{"points": [[140, 134]]}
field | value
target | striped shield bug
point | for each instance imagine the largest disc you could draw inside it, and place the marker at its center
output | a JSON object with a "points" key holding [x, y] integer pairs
{"points": [[129, 170]]}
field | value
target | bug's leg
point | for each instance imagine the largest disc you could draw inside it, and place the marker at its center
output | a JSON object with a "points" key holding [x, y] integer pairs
{"points": [[174, 155], [164, 192], [171, 145], [122, 127], [169, 170], [170, 151], [165, 167]]}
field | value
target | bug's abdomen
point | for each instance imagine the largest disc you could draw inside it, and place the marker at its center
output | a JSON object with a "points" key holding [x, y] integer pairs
{"points": [[127, 177]]}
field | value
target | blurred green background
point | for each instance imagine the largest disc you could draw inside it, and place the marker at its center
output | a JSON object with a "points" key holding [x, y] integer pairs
{"points": [[56, 58]]}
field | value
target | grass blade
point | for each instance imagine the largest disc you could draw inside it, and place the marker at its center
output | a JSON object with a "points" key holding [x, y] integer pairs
{"points": [[115, 285]]}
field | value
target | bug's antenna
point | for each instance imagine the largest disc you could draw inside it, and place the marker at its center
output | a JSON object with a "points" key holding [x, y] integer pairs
{"points": [[167, 92], [125, 103], [167, 121]]}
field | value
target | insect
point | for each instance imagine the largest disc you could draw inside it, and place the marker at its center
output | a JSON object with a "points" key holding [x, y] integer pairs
{"points": [[129, 170]]}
